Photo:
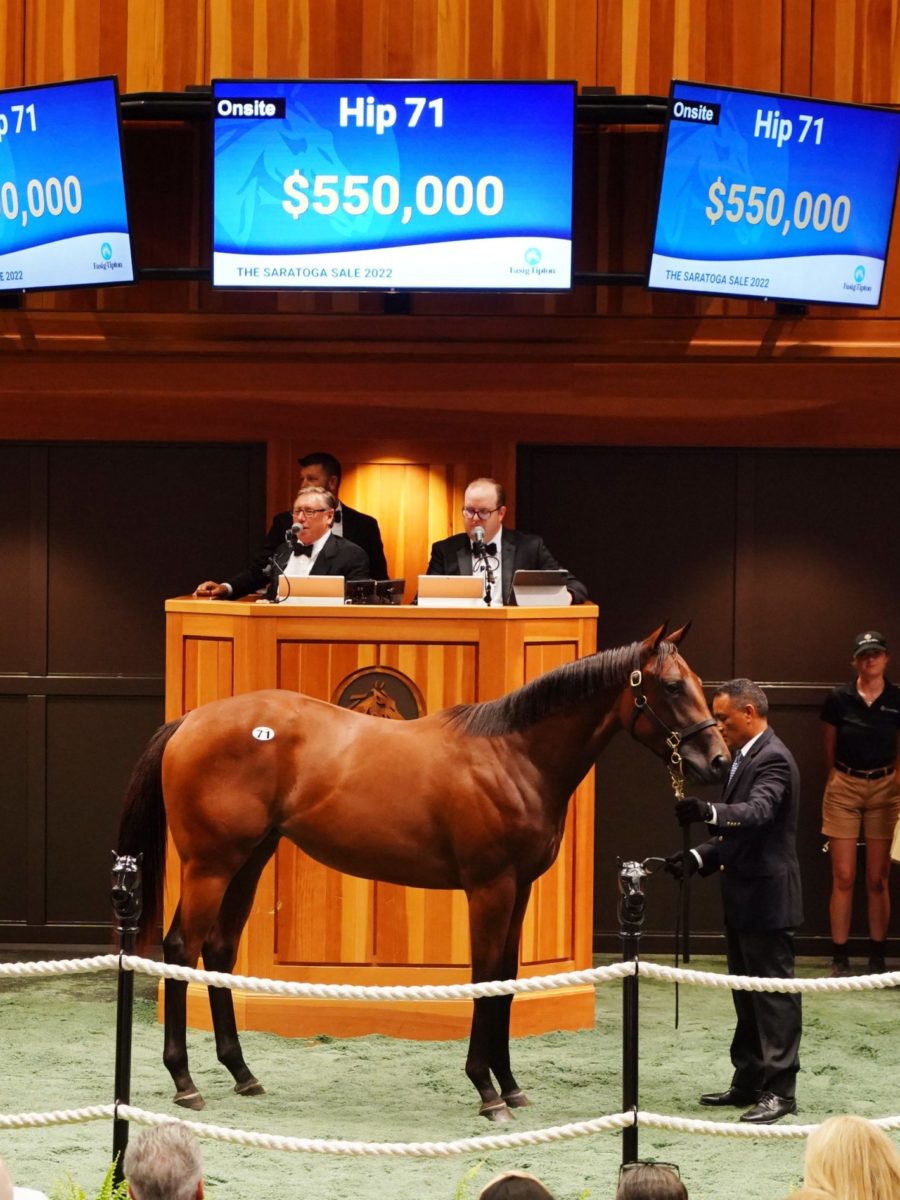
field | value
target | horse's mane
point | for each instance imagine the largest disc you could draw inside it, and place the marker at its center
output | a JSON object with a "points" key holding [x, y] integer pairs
{"points": [[559, 689]]}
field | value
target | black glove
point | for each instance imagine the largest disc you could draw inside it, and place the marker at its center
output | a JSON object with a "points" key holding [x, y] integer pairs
{"points": [[682, 865], [690, 810]]}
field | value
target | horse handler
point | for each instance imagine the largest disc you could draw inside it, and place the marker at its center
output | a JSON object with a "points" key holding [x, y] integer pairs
{"points": [[754, 852]]}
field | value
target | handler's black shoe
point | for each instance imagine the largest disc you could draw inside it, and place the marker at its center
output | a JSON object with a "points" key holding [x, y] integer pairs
{"points": [[734, 1097], [769, 1109]]}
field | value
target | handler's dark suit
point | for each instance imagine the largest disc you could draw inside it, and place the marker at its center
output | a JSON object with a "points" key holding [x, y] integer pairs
{"points": [[337, 557], [755, 854], [356, 527], [519, 552]]}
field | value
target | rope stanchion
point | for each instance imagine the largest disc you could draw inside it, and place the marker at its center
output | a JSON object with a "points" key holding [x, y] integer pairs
{"points": [[127, 903]]}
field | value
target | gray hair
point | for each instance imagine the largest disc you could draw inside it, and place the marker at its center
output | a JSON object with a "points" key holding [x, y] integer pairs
{"points": [[745, 691], [322, 493], [164, 1163]]}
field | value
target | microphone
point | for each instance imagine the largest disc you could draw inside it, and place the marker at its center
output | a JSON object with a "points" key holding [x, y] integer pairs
{"points": [[290, 535], [478, 541]]}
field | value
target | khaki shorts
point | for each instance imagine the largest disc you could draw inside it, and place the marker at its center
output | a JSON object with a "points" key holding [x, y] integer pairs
{"points": [[849, 802]]}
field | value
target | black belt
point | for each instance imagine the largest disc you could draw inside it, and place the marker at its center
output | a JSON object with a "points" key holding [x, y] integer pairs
{"points": [[877, 773]]}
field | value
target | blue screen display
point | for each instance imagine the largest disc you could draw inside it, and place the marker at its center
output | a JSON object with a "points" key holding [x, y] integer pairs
{"points": [[63, 219], [775, 197], [410, 184]]}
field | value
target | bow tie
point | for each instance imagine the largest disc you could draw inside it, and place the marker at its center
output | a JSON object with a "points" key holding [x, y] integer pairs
{"points": [[489, 547], [301, 549]]}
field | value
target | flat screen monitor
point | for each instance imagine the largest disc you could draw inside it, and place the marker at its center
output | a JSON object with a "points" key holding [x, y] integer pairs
{"points": [[775, 197], [63, 216], [410, 185]]}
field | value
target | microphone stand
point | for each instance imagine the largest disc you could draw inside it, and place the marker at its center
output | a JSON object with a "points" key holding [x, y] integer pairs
{"points": [[273, 568], [479, 550]]}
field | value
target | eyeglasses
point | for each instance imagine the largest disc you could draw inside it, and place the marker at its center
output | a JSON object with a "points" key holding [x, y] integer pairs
{"points": [[648, 1162], [308, 512], [481, 513]]}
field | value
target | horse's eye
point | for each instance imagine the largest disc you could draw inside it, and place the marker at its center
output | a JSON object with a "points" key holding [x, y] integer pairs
{"points": [[674, 688]]}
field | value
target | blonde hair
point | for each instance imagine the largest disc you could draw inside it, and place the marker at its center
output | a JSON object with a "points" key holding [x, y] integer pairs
{"points": [[849, 1158], [515, 1185]]}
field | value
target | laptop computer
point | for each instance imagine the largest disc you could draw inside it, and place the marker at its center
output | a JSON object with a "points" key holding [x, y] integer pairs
{"points": [[546, 589], [311, 589], [451, 591]]}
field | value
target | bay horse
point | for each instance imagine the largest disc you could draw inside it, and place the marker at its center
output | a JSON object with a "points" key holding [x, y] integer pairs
{"points": [[473, 797]]}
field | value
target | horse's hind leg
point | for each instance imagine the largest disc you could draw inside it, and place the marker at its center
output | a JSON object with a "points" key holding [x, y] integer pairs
{"points": [[220, 953], [175, 1054], [200, 900]]}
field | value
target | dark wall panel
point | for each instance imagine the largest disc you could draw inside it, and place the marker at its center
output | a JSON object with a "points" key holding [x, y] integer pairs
{"points": [[94, 539], [13, 807], [652, 535], [817, 564], [92, 746], [130, 526], [15, 509], [780, 557]]}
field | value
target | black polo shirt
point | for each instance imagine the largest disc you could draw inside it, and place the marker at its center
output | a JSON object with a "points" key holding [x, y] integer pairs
{"points": [[866, 734]]}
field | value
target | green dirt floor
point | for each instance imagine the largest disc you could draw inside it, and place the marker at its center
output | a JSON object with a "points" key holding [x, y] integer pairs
{"points": [[57, 1039]]}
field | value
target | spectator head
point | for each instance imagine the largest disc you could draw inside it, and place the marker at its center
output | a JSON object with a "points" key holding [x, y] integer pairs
{"points": [[164, 1163], [650, 1181], [849, 1158], [515, 1185]]}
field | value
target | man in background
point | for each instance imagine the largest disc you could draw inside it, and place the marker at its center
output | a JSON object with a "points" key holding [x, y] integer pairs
{"points": [[164, 1163], [505, 551]]}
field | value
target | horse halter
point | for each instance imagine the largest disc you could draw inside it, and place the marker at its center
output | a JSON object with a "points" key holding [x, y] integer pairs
{"points": [[674, 737]]}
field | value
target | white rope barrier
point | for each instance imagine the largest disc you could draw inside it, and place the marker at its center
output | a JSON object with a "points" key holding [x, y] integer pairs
{"points": [[596, 975], [449, 991], [611, 1123]]}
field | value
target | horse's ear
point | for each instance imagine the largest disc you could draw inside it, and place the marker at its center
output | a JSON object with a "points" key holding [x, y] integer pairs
{"points": [[679, 634], [651, 642]]}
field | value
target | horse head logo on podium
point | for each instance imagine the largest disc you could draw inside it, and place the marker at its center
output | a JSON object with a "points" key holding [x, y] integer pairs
{"points": [[380, 692]]}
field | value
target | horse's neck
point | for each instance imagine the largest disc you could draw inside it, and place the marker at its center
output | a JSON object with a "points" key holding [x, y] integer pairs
{"points": [[566, 745]]}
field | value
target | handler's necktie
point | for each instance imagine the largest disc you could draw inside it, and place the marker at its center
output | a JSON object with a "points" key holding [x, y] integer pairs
{"points": [[301, 549], [735, 763]]}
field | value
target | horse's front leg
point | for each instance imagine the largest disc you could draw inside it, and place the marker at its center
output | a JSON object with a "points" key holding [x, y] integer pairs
{"points": [[491, 908], [509, 969]]}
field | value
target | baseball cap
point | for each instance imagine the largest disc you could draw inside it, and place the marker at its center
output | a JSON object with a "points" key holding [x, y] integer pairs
{"points": [[870, 640]]}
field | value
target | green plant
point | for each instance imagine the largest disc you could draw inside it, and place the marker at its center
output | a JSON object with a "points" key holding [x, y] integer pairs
{"points": [[463, 1188], [67, 1189]]}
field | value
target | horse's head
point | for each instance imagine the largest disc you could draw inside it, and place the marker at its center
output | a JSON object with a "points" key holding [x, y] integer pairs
{"points": [[664, 707]]}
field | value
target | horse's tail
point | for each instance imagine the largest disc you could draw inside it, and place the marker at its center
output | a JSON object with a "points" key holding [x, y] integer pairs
{"points": [[142, 828]]}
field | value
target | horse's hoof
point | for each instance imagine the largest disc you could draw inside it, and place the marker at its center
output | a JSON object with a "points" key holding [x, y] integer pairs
{"points": [[496, 1111], [251, 1087], [516, 1099], [191, 1099]]}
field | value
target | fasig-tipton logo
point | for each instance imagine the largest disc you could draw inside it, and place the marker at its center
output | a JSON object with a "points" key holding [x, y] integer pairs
{"points": [[250, 108], [858, 285], [696, 111], [109, 263]]}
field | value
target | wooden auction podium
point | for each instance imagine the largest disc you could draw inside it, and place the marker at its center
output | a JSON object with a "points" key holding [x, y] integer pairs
{"points": [[311, 923]]}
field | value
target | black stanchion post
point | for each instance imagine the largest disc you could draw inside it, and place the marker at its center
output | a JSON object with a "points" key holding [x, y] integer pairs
{"points": [[127, 903], [631, 918]]}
